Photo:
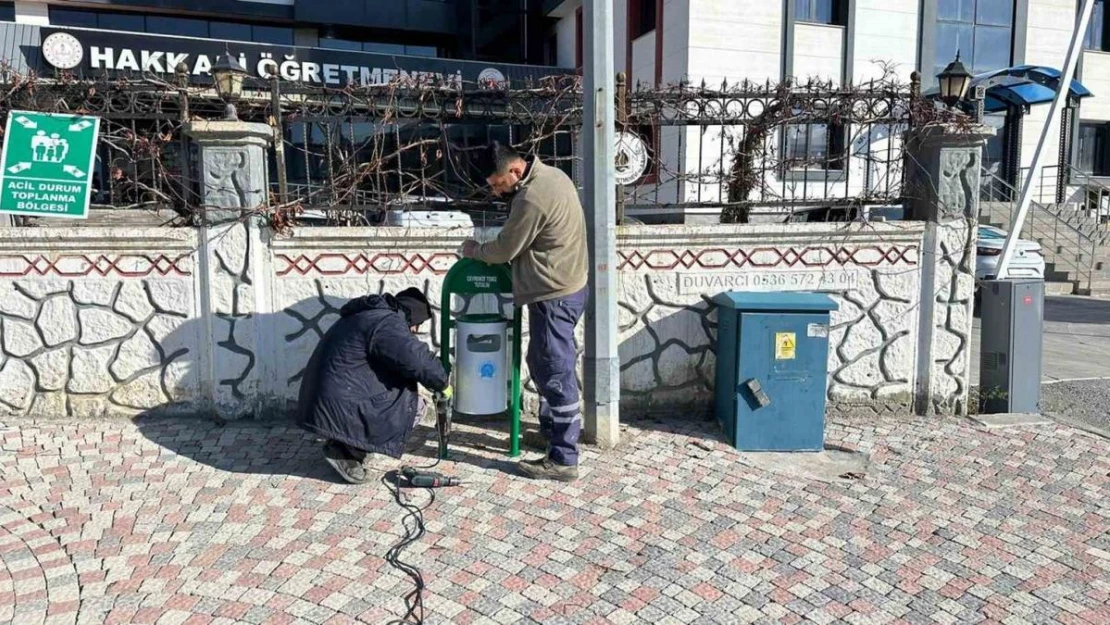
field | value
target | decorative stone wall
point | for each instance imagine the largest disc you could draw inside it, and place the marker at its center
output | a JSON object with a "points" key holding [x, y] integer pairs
{"points": [[668, 326], [229, 316], [954, 291], [94, 333], [319, 270], [225, 319]]}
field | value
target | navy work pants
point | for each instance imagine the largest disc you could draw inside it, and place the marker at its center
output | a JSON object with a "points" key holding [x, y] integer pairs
{"points": [[552, 359]]}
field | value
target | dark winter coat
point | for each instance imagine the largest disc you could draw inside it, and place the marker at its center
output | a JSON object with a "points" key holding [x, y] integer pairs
{"points": [[359, 387]]}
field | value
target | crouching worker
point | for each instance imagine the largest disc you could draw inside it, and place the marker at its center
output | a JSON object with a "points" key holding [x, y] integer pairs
{"points": [[359, 389]]}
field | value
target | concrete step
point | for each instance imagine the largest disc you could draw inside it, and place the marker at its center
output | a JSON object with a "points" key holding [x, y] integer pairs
{"points": [[1060, 275], [1064, 264], [1097, 288], [1100, 283], [1064, 273], [1060, 288]]}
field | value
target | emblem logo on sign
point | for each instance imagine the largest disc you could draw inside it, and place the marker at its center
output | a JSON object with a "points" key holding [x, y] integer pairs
{"points": [[63, 51], [631, 158], [785, 345], [487, 370], [491, 78]]}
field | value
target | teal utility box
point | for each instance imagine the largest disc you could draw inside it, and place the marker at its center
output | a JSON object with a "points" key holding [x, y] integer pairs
{"points": [[772, 369]]}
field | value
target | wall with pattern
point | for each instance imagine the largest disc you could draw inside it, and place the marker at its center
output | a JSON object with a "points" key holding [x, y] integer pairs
{"points": [[96, 321]]}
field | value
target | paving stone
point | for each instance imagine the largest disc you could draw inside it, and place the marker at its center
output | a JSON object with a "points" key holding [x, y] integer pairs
{"points": [[166, 520]]}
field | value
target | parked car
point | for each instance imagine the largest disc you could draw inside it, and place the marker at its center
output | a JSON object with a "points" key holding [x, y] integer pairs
{"points": [[1028, 261]]}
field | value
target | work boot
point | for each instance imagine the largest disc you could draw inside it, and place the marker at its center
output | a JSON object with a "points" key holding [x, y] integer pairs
{"points": [[545, 469], [348, 467]]}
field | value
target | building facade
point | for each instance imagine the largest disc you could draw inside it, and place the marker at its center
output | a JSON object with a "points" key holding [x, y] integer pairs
{"points": [[502, 31], [663, 42], [342, 41], [304, 43]]}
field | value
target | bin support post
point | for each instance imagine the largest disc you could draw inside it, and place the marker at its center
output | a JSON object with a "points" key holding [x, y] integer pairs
{"points": [[514, 396], [473, 277]]}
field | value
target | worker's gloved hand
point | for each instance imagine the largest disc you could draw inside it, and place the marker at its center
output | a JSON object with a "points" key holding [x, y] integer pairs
{"points": [[470, 248], [448, 393]]}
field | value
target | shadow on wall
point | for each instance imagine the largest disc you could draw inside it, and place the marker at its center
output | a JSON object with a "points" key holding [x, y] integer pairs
{"points": [[94, 348], [258, 360], [269, 419], [90, 348], [666, 352]]}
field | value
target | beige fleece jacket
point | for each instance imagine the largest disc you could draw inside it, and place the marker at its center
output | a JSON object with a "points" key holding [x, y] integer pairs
{"points": [[544, 238]]}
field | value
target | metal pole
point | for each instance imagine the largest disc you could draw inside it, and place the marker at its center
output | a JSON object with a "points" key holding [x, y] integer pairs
{"points": [[1062, 94], [277, 122], [622, 120], [602, 363]]}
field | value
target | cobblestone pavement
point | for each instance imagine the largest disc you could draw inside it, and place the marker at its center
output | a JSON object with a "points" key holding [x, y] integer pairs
{"points": [[186, 522]]}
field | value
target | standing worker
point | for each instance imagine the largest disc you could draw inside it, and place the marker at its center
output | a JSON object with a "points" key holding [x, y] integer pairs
{"points": [[545, 240]]}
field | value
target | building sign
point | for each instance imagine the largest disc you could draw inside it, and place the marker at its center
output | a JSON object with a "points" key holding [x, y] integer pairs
{"points": [[97, 53], [46, 169], [771, 280]]}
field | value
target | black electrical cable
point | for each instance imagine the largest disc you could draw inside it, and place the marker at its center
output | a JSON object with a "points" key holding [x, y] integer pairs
{"points": [[413, 522], [414, 601]]}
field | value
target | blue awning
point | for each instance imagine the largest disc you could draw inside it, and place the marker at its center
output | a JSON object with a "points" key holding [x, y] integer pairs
{"points": [[1023, 85]]}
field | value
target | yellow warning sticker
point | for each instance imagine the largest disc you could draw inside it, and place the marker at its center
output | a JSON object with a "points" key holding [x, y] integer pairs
{"points": [[785, 345]]}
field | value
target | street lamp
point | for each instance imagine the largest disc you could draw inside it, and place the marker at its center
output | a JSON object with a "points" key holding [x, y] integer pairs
{"points": [[954, 82], [228, 74]]}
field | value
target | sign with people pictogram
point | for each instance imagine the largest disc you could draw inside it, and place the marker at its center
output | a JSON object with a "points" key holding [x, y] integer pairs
{"points": [[47, 165]]}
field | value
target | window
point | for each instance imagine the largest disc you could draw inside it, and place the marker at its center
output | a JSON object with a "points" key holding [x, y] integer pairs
{"points": [[981, 31], [177, 26], [383, 48], [641, 18], [578, 34], [121, 21], [821, 11], [272, 34], [427, 51], [332, 43], [1094, 139], [7, 11], [184, 27], [335, 43], [814, 146], [551, 50], [230, 31], [1097, 31], [79, 19]]}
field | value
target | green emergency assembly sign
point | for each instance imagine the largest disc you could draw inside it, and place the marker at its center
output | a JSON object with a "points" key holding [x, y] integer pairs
{"points": [[47, 166]]}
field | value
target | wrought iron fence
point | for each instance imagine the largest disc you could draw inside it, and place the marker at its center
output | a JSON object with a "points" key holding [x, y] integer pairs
{"points": [[357, 153], [142, 160], [789, 149], [348, 156], [351, 153]]}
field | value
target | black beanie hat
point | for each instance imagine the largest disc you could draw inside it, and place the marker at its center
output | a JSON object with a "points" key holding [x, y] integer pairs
{"points": [[413, 302]]}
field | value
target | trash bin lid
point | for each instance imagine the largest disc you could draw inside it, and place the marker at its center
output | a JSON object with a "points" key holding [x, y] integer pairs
{"points": [[484, 318], [776, 302]]}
